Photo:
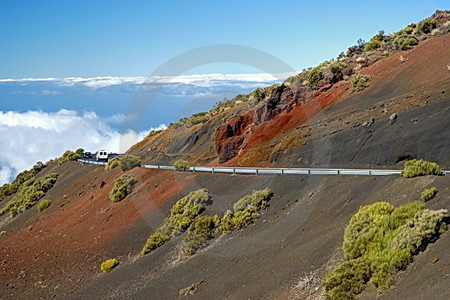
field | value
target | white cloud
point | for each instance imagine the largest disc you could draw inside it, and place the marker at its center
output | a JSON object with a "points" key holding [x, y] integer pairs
{"points": [[34, 136], [200, 80], [50, 92]]}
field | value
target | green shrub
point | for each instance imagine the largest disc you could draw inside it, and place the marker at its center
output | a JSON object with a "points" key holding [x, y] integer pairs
{"points": [[29, 194], [70, 155], [128, 162], [154, 241], [428, 194], [346, 280], [380, 240], [9, 189], [375, 42], [182, 214], [122, 187], [360, 82], [245, 211], [43, 204], [315, 77], [181, 165], [153, 133], [199, 232], [108, 265], [420, 167], [405, 42], [113, 163], [426, 26]]}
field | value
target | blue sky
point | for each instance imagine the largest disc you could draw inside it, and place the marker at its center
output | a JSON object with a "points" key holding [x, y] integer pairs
{"points": [[128, 38]]}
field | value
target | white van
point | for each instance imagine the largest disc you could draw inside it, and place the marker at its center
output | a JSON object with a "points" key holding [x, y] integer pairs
{"points": [[102, 155]]}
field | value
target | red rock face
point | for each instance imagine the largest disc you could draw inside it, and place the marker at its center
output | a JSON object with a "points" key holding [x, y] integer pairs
{"points": [[232, 136]]}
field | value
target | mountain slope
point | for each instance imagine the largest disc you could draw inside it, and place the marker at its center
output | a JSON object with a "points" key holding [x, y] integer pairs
{"points": [[402, 114]]}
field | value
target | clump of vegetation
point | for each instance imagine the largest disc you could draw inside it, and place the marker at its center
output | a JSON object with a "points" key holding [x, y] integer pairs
{"points": [[428, 194], [420, 167], [182, 214], [380, 240], [108, 265], [153, 133], [426, 26], [181, 165], [155, 240], [122, 187], [375, 42], [125, 163], [113, 163], [199, 232], [405, 42], [29, 194], [9, 189], [356, 49], [128, 162], [43, 204], [245, 211], [70, 155], [360, 82]]}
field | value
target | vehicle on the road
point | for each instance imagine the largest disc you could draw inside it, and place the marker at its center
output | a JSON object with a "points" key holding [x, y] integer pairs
{"points": [[87, 155], [101, 155]]}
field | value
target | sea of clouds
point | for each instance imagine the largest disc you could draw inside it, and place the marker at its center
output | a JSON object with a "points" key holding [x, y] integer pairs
{"points": [[28, 137]]}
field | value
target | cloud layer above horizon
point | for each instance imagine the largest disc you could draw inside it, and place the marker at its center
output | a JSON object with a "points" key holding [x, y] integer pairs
{"points": [[172, 85], [28, 137]]}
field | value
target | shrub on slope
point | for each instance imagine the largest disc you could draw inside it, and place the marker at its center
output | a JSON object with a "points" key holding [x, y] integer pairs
{"points": [[29, 194], [380, 240], [182, 214], [122, 187], [70, 155], [9, 189], [245, 211], [420, 167], [125, 163]]}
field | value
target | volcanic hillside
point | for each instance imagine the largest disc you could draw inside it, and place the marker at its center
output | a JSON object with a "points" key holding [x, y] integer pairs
{"points": [[377, 105]]}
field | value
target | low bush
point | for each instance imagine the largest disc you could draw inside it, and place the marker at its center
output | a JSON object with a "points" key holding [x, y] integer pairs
{"points": [[380, 240], [153, 133], [125, 163], [405, 42], [30, 192], [154, 241], [245, 211], [43, 204], [199, 232], [9, 189], [428, 194], [426, 26], [360, 82], [122, 187], [113, 163], [182, 214], [70, 155], [375, 42], [181, 165], [420, 167], [128, 162], [108, 265]]}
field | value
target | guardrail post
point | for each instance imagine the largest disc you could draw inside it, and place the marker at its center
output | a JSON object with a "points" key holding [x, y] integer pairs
{"points": [[193, 169], [338, 172], [212, 170], [309, 172], [234, 171], [370, 172], [257, 172]]}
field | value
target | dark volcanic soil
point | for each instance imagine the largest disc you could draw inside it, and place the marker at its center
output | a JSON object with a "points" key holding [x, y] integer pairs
{"points": [[299, 233]]}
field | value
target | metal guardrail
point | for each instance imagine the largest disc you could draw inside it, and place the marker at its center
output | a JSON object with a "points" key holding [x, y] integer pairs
{"points": [[270, 171]]}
